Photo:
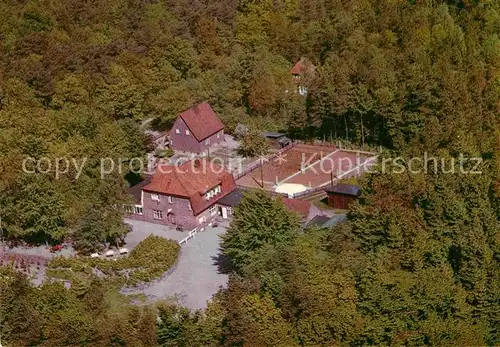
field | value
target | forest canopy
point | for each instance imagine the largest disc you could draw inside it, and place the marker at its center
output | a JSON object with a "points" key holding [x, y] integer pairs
{"points": [[417, 261]]}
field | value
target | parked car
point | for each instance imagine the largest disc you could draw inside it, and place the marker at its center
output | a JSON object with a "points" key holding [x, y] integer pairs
{"points": [[56, 248], [123, 250]]}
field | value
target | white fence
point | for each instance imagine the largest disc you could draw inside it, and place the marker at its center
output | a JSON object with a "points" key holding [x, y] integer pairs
{"points": [[191, 235]]}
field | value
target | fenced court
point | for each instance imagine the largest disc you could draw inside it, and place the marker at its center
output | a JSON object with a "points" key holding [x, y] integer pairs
{"points": [[310, 166]]}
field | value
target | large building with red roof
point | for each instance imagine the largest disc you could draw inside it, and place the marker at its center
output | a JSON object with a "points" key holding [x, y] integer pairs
{"points": [[196, 129], [184, 195]]}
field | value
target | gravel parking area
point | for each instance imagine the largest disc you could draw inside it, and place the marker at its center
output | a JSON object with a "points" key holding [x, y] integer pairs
{"points": [[195, 278], [141, 230]]}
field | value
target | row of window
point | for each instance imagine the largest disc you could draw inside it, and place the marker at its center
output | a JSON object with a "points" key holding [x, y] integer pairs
{"points": [[156, 197], [170, 199], [177, 131], [137, 209], [213, 192], [158, 214]]}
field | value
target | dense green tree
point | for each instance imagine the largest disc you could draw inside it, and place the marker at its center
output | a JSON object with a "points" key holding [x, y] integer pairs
{"points": [[20, 321], [442, 225], [259, 323], [253, 144], [255, 235], [97, 227], [417, 262], [320, 299], [52, 315]]}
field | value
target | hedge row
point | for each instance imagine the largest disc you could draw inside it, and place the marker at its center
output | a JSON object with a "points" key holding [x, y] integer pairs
{"points": [[148, 261]]}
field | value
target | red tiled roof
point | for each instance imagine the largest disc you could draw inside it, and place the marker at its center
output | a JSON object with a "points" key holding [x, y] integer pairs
{"points": [[301, 207], [192, 180], [202, 120]]}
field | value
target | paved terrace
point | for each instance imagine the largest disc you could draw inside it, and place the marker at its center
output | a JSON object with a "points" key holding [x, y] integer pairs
{"points": [[195, 278]]}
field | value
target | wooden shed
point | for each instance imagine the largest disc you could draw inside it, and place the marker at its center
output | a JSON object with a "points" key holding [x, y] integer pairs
{"points": [[277, 140], [341, 195]]}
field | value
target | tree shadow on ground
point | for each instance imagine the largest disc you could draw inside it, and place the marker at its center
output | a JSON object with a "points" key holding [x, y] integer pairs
{"points": [[223, 263]]}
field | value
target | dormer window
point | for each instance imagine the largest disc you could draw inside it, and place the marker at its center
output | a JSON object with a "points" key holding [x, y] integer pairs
{"points": [[213, 192], [187, 132], [177, 131]]}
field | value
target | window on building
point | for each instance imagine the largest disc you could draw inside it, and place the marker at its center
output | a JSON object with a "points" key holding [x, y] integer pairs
{"points": [[229, 211], [170, 199], [128, 208], [155, 197], [157, 214], [213, 192], [207, 142], [187, 132], [138, 209], [201, 220], [177, 131]]}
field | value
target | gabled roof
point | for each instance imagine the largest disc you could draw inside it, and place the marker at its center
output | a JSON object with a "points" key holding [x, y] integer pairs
{"points": [[343, 188], [202, 121], [192, 180], [302, 66], [300, 207]]}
